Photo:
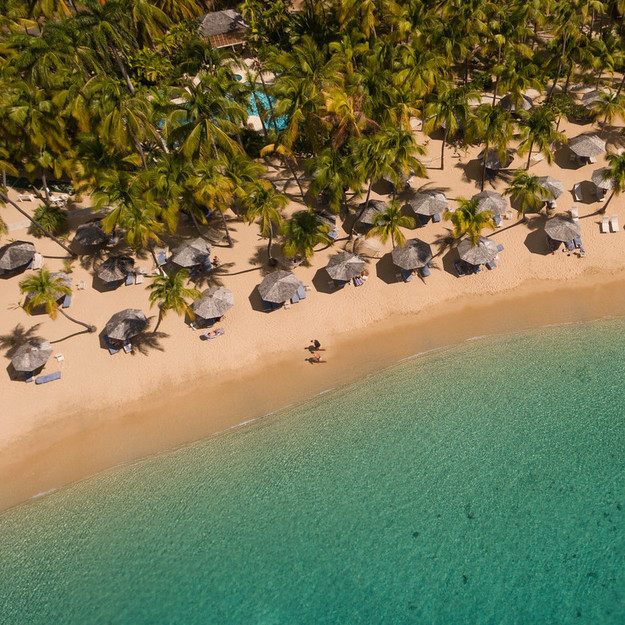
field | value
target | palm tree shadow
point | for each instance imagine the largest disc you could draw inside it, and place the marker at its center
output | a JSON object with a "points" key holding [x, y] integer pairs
{"points": [[260, 258], [386, 270], [148, 341], [444, 242], [17, 337], [69, 336]]}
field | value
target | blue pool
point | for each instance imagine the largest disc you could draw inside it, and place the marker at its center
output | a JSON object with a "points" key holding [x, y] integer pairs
{"points": [[266, 104]]}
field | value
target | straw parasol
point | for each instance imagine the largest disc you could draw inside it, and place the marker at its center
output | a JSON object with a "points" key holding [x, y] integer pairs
{"points": [[89, 235], [32, 355], [345, 266], [215, 302], [491, 201], [65, 279], [428, 202], [526, 103], [279, 286], [587, 146], [588, 99], [555, 187], [483, 252], [414, 255], [15, 255], [597, 178], [125, 324], [115, 268], [493, 161], [562, 228], [375, 207], [191, 253]]}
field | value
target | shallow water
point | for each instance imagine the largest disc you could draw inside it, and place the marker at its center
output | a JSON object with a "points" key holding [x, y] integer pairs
{"points": [[481, 484]]}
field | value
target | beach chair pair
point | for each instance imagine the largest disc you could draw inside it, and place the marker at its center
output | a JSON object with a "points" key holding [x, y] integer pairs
{"points": [[43, 379]]}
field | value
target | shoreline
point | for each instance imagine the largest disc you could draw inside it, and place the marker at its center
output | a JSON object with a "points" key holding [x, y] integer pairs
{"points": [[76, 446]]}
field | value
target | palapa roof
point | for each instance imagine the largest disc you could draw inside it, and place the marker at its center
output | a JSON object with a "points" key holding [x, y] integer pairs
{"points": [[587, 146], [493, 161], [428, 202], [223, 28], [597, 178], [90, 234], [588, 99], [345, 266], [279, 286], [562, 228], [191, 253], [555, 187], [115, 268], [483, 252], [526, 103], [125, 324], [15, 255], [491, 201], [375, 207], [32, 355], [415, 254], [66, 280], [215, 302]]}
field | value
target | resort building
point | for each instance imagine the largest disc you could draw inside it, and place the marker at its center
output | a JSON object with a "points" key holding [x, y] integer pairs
{"points": [[224, 28]]}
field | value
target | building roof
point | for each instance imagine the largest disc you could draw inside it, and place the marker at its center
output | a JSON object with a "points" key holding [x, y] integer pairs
{"points": [[222, 23]]}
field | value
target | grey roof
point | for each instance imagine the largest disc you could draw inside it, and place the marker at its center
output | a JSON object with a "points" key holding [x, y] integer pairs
{"points": [[588, 99], [279, 286], [191, 253], [555, 187], [562, 228], [15, 255], [214, 302], [428, 202], [221, 23], [125, 324], [493, 161], [587, 146], [66, 280], [491, 201], [415, 254], [115, 268], [526, 103], [483, 252], [597, 178], [31, 355], [345, 266], [375, 207], [90, 234]]}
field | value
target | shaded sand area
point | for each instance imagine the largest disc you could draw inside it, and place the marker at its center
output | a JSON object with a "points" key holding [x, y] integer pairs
{"points": [[176, 388]]}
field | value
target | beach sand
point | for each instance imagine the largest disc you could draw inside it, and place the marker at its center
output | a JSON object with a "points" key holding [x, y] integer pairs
{"points": [[176, 388]]}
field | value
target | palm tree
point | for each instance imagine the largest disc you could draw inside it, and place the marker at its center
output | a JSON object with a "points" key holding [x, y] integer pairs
{"points": [[468, 219], [537, 129], [616, 174], [388, 224], [332, 172], [170, 293], [302, 232], [527, 192], [263, 203], [46, 291], [609, 106]]}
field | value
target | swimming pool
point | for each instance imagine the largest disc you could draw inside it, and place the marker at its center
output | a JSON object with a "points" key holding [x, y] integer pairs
{"points": [[266, 105]]}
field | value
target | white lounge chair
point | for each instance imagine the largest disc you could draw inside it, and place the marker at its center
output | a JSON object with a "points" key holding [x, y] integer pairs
{"points": [[25, 197], [605, 224], [574, 212], [138, 278], [37, 261], [614, 223], [577, 194], [81, 286]]}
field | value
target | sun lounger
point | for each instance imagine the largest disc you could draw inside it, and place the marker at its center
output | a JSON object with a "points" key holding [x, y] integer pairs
{"points": [[42, 379], [128, 347], [295, 299], [614, 223], [425, 271], [509, 214], [339, 284], [578, 242], [497, 220], [577, 193], [30, 265], [436, 217], [551, 244], [139, 278], [574, 212], [605, 224], [277, 305], [162, 258], [477, 269], [460, 268], [81, 286], [267, 307], [25, 197], [301, 291], [491, 264], [208, 266], [130, 279], [59, 358], [67, 301], [423, 219], [500, 247], [28, 377], [592, 159], [112, 349], [37, 261], [406, 275], [207, 336], [333, 234], [570, 246]]}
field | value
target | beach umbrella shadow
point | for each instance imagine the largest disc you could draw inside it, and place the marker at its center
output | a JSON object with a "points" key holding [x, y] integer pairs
{"points": [[386, 269]]}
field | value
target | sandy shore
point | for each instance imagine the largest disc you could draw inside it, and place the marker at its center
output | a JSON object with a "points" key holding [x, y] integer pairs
{"points": [[176, 388]]}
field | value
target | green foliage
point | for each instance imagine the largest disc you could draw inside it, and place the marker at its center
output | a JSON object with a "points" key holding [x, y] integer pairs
{"points": [[52, 218]]}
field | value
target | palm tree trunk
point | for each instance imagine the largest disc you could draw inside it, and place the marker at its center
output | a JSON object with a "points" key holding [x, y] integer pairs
{"points": [[4, 177], [272, 260], [605, 206], [292, 170], [5, 198], [44, 182], [443, 147], [123, 70], [529, 156], [362, 210], [620, 87], [555, 81], [80, 323], [158, 322], [483, 173], [262, 121], [223, 221]]}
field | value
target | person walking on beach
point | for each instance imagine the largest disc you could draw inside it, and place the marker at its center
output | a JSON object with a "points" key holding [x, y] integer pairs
{"points": [[316, 345]]}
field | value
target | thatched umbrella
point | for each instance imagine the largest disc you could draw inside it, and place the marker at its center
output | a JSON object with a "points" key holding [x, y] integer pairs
{"points": [[90, 235], [414, 255], [66, 280], [192, 253], [587, 146], [15, 255], [483, 252], [555, 187], [493, 161], [375, 207], [588, 99], [491, 201], [562, 228], [428, 203], [125, 324], [597, 178], [526, 103], [345, 266], [279, 286], [32, 355], [215, 302], [115, 268]]}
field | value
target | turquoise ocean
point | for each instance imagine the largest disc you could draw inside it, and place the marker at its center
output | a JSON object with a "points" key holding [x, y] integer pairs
{"points": [[481, 484]]}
